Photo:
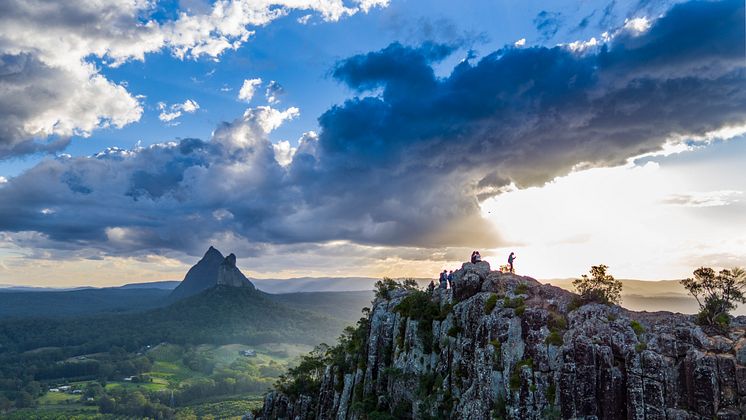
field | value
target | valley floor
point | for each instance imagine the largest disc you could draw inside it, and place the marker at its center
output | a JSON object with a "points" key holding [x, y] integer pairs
{"points": [[202, 381]]}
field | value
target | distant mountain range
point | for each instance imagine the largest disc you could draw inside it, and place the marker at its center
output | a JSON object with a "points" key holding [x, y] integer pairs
{"points": [[291, 285], [660, 295], [40, 304], [164, 285], [638, 295], [16, 288], [215, 303], [316, 284]]}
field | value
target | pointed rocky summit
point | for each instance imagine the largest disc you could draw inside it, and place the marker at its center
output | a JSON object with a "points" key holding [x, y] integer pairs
{"points": [[212, 270]]}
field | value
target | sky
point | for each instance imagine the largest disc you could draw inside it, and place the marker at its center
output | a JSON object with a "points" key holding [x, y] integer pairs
{"points": [[370, 137]]}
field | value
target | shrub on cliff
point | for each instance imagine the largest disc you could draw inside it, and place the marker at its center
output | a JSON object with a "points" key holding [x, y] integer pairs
{"points": [[716, 294], [419, 306], [305, 379], [387, 285], [600, 287], [490, 303]]}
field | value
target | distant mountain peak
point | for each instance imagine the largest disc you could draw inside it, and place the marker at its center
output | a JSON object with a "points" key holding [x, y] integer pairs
{"points": [[212, 270], [213, 252]]}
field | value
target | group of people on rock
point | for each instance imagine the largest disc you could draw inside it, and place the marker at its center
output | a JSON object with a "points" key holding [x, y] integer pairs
{"points": [[476, 257], [446, 277], [445, 280]]}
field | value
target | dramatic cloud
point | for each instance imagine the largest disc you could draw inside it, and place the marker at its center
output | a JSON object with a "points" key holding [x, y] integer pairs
{"points": [[407, 162], [50, 87], [39, 100], [248, 89]]}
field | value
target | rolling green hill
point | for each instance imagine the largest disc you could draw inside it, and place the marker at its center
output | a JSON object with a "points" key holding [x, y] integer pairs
{"points": [[79, 302], [221, 314]]}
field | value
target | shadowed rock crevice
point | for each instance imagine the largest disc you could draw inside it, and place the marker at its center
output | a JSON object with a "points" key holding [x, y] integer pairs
{"points": [[507, 346]]}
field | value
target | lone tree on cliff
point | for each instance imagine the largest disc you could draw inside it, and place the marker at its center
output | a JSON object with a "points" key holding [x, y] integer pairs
{"points": [[600, 287], [716, 294]]}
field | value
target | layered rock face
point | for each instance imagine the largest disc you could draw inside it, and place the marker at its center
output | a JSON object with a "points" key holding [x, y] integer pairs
{"points": [[230, 275], [506, 346]]}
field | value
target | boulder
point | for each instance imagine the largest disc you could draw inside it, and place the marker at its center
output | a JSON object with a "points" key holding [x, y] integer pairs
{"points": [[467, 281]]}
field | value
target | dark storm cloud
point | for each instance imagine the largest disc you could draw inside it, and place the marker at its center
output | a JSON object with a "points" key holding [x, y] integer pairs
{"points": [[407, 161]]}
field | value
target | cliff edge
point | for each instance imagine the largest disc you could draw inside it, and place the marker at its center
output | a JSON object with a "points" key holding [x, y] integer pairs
{"points": [[500, 345]]}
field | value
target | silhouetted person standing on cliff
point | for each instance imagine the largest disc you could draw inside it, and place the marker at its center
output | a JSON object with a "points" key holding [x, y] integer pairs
{"points": [[444, 279], [511, 258], [450, 279]]}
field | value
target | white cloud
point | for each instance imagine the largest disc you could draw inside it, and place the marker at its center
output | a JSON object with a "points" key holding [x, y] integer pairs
{"points": [[273, 92], [253, 126], [56, 90], [173, 112], [637, 25], [168, 116], [582, 46], [189, 106], [633, 26], [366, 5], [269, 118], [40, 100], [303, 20], [521, 42], [704, 199], [3, 180], [725, 133], [283, 152], [248, 89]]}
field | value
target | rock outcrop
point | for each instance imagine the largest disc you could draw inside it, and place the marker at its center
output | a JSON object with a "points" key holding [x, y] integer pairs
{"points": [[212, 270], [505, 346], [230, 275]]}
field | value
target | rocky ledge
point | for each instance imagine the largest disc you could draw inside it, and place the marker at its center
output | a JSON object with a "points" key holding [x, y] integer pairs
{"points": [[507, 346]]}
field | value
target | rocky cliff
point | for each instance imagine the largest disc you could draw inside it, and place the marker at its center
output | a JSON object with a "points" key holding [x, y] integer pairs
{"points": [[230, 275], [505, 346]]}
